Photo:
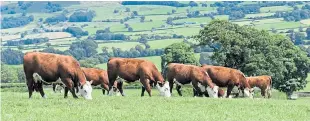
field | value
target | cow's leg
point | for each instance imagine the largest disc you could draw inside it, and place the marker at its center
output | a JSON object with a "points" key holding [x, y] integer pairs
{"points": [[54, 87], [40, 88], [66, 92], [120, 88], [146, 84], [178, 88], [269, 92], [143, 90], [112, 79], [194, 92], [229, 89], [30, 84], [263, 92], [72, 90], [198, 90], [103, 87], [170, 84]]}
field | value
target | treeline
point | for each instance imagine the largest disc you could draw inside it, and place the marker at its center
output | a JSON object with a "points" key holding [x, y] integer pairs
{"points": [[26, 41], [295, 15], [76, 31], [166, 3], [107, 35], [56, 19], [238, 12], [12, 22], [53, 7], [82, 16], [12, 57]]}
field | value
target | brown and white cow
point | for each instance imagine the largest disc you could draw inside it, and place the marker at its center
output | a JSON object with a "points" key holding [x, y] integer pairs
{"points": [[100, 77], [52, 67], [228, 77], [189, 74], [263, 82], [131, 69]]}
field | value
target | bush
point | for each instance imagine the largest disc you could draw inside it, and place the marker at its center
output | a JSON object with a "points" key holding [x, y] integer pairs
{"points": [[26, 41], [82, 16], [76, 31], [13, 22], [56, 19], [53, 7], [12, 57]]}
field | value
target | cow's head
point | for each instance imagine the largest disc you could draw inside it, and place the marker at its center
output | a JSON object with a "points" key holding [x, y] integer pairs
{"points": [[213, 92], [85, 90], [164, 90], [248, 92]]}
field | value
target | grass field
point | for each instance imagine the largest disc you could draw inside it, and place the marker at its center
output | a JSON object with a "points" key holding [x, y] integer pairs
{"points": [[275, 9], [17, 106]]}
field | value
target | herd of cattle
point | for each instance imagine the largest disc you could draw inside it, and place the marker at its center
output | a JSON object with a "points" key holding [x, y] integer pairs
{"points": [[46, 68]]}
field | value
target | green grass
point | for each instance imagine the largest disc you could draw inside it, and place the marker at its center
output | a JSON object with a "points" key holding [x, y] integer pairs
{"points": [[17, 106], [163, 43], [275, 9], [197, 20], [258, 15]]}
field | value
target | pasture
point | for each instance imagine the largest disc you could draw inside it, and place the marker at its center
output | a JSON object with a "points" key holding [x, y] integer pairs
{"points": [[17, 106]]}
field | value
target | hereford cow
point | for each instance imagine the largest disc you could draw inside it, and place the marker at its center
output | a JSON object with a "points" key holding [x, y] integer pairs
{"points": [[186, 74], [100, 77], [52, 67], [263, 82], [133, 69], [228, 77]]}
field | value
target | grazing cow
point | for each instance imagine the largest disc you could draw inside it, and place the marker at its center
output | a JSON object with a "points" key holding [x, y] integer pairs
{"points": [[100, 77], [263, 82], [52, 67], [186, 74], [228, 77], [133, 69]]}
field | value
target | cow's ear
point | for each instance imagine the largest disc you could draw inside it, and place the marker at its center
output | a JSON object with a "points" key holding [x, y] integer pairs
{"points": [[91, 81], [81, 85]]}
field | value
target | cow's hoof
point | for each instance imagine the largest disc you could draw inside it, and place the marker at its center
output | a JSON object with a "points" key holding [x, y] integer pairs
{"points": [[44, 97]]}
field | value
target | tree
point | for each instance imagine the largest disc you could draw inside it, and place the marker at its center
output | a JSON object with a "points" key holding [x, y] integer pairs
{"points": [[135, 13], [48, 44], [85, 48], [257, 52], [130, 29], [299, 37], [169, 20], [205, 58], [127, 9], [173, 11], [308, 33], [122, 21], [142, 18], [12, 57], [178, 53]]}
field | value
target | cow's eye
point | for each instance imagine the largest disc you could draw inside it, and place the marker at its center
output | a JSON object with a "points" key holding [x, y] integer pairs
{"points": [[85, 91]]}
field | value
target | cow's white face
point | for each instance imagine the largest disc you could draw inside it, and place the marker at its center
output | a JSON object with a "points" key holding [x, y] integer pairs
{"points": [[248, 92], [86, 90], [165, 90], [213, 93]]}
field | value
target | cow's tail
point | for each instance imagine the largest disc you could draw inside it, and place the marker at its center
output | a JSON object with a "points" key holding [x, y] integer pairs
{"points": [[269, 91]]}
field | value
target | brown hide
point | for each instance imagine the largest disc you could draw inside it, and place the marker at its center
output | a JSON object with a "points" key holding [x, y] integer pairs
{"points": [[226, 77], [51, 67], [131, 69], [263, 82], [186, 74], [99, 77]]}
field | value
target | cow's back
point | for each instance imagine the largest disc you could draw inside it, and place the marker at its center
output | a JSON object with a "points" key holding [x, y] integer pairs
{"points": [[221, 76], [127, 68], [48, 66], [97, 75]]}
